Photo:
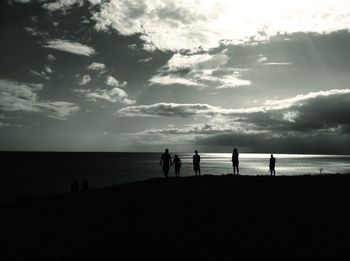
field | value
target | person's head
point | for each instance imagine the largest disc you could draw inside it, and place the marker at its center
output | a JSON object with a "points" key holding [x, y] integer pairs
{"points": [[196, 151], [176, 156], [271, 155], [166, 151], [235, 150]]}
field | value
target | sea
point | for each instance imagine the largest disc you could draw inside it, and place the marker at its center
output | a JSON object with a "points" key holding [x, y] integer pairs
{"points": [[39, 173]]}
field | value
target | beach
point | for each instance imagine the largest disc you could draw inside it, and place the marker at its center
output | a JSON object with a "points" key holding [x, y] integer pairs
{"points": [[188, 218]]}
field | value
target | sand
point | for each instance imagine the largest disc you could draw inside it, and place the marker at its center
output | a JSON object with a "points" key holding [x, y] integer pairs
{"points": [[193, 218]]}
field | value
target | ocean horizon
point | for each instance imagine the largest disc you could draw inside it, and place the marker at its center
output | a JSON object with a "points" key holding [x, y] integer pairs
{"points": [[39, 173]]}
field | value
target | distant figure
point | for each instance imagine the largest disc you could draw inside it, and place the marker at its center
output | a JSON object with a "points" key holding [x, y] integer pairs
{"points": [[74, 186], [165, 160], [85, 186], [272, 165], [235, 161], [177, 163], [196, 160]]}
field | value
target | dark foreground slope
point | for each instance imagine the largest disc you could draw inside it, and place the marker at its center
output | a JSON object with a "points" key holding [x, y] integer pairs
{"points": [[195, 218]]}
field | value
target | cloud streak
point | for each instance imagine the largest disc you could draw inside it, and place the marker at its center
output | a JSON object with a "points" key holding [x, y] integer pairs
{"points": [[70, 47], [324, 110], [16, 96]]}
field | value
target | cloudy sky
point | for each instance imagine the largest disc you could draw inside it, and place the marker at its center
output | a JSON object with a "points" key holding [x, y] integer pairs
{"points": [[142, 75]]}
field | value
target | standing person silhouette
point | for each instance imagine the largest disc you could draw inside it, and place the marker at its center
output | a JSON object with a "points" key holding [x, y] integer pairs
{"points": [[165, 160], [196, 160], [235, 161], [74, 186], [272, 165], [177, 163]]}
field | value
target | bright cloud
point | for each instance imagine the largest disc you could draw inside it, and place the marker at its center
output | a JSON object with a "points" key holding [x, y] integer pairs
{"points": [[64, 4], [199, 70], [85, 79], [192, 24], [98, 67], [172, 79], [71, 47], [114, 95], [111, 81]]}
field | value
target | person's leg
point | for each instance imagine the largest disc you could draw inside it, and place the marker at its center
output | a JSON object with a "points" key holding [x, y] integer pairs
{"points": [[234, 169], [237, 170]]}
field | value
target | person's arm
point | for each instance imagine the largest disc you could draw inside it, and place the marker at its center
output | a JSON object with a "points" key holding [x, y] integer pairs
{"points": [[161, 160]]}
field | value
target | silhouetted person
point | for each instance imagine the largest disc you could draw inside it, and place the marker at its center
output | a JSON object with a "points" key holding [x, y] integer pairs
{"points": [[272, 165], [74, 186], [177, 163], [85, 186], [235, 161], [165, 160], [196, 161]]}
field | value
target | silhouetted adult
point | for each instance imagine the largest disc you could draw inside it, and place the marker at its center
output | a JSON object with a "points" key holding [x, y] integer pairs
{"points": [[196, 161], [272, 165], [74, 186], [85, 185], [177, 163], [165, 160], [235, 161]]}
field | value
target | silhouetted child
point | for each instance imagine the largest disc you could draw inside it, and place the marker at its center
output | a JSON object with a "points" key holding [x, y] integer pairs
{"points": [[196, 161], [177, 163], [165, 160], [235, 161], [272, 165], [74, 186]]}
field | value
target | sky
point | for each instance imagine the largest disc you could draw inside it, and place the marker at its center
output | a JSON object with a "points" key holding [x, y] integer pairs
{"points": [[144, 75]]}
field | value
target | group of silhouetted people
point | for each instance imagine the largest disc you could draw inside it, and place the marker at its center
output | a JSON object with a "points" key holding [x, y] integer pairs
{"points": [[166, 162], [74, 187]]}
